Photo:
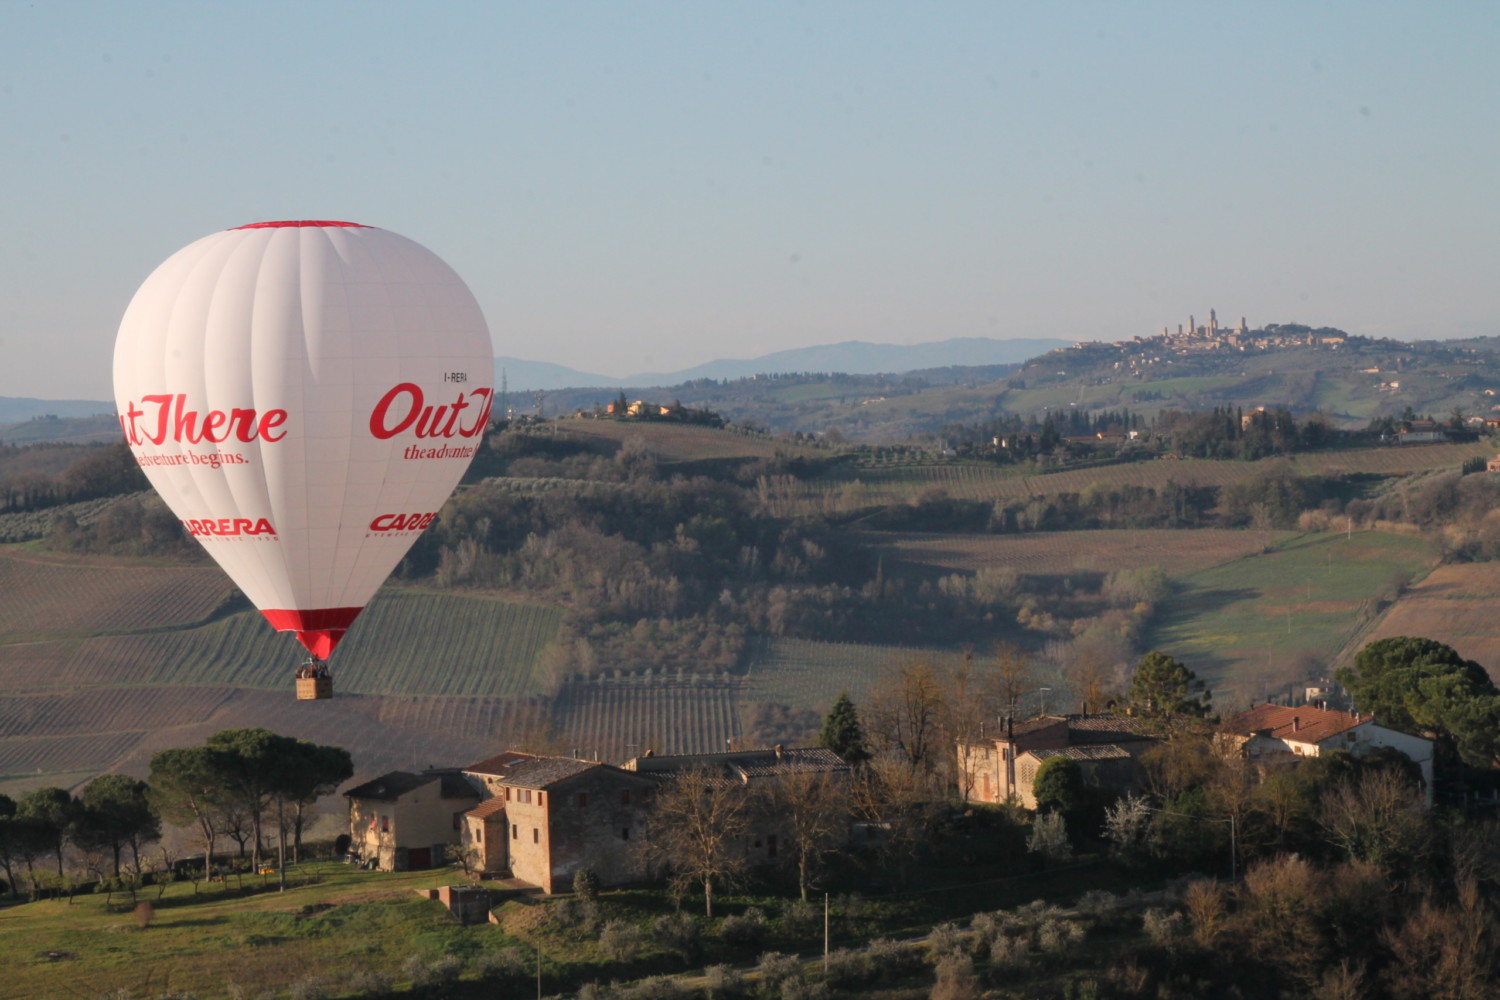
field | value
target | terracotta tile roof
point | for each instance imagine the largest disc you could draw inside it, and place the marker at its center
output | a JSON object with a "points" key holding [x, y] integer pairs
{"points": [[1106, 729], [1093, 751], [740, 767], [488, 808], [529, 770], [1032, 725], [1298, 725], [798, 760]]}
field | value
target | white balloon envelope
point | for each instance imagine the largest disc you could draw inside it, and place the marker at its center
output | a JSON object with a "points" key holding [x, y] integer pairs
{"points": [[304, 396]]}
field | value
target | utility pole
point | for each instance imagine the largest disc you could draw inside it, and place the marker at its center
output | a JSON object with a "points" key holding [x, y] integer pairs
{"points": [[825, 935]]}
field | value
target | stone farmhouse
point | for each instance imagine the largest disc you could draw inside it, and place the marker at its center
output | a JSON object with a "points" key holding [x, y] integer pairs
{"points": [[403, 820], [543, 818], [1106, 747], [1272, 735], [537, 819]]}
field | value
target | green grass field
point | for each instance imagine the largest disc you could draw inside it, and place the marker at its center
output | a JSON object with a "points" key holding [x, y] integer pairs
{"points": [[340, 922], [1251, 626]]}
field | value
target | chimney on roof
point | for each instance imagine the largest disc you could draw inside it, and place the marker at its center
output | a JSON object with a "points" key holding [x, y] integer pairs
{"points": [[1296, 723], [778, 751], [649, 753]]}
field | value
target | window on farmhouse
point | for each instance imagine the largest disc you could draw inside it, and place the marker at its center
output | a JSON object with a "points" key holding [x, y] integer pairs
{"points": [[624, 833], [507, 794], [625, 797], [514, 834], [385, 824], [536, 835], [583, 799]]}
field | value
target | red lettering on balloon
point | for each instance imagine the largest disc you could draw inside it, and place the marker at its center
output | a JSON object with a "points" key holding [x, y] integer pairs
{"points": [[426, 421], [172, 418]]}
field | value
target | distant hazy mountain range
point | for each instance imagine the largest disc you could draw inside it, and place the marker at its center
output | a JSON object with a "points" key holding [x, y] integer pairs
{"points": [[852, 357], [14, 409]]}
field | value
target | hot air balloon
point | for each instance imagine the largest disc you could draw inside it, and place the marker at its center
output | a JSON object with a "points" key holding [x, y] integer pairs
{"points": [[304, 396]]}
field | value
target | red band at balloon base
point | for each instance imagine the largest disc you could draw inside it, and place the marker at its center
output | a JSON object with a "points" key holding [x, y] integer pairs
{"points": [[319, 629]]}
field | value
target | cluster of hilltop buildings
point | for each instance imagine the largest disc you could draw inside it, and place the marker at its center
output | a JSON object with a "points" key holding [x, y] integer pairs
{"points": [[1140, 353]]}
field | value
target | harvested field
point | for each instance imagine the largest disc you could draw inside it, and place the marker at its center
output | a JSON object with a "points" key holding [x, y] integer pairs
{"points": [[47, 595], [1058, 552], [1454, 605]]}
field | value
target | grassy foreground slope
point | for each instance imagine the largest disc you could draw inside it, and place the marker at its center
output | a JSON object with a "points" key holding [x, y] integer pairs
{"points": [[1251, 626]]}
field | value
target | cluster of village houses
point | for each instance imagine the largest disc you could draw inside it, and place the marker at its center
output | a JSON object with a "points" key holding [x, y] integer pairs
{"points": [[537, 819]]}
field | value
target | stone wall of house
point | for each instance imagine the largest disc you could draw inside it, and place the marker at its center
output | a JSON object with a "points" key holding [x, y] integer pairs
{"points": [[527, 839], [420, 819], [491, 835], [598, 820]]}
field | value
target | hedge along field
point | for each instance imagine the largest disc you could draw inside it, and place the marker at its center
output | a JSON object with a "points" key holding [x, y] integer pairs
{"points": [[1251, 627], [1057, 552], [616, 720], [406, 642], [1454, 604], [47, 594]]}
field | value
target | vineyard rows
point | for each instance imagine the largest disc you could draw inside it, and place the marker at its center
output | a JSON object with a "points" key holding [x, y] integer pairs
{"points": [[618, 722], [34, 666], [56, 596], [411, 643], [22, 757], [90, 709], [484, 718]]}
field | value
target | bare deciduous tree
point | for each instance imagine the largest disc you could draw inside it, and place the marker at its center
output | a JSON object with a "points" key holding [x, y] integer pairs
{"points": [[905, 711], [698, 832]]}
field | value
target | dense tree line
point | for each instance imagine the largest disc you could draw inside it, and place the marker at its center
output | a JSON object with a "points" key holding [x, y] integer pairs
{"points": [[97, 471], [236, 786]]}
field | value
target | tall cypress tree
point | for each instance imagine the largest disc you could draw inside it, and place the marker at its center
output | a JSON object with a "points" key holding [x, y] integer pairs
{"points": [[841, 731]]}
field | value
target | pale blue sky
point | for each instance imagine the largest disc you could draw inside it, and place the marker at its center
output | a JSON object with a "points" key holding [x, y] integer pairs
{"points": [[634, 186]]}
